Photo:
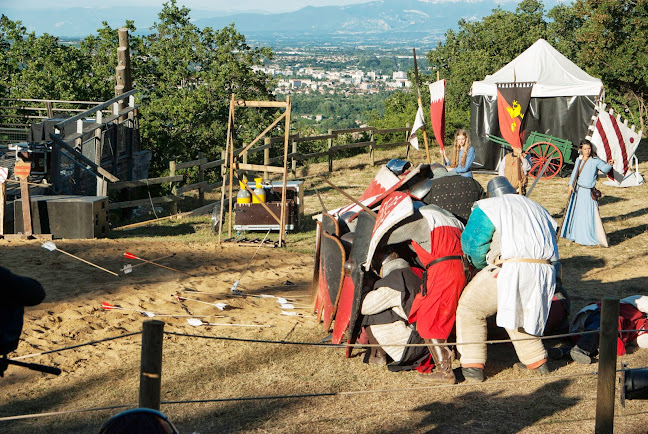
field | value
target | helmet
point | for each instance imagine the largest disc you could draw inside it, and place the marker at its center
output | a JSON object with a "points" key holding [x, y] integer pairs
{"points": [[499, 186], [398, 166]]}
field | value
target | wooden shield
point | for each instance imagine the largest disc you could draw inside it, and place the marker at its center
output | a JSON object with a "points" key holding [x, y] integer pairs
{"points": [[330, 225], [331, 276], [343, 313], [361, 281], [456, 194]]}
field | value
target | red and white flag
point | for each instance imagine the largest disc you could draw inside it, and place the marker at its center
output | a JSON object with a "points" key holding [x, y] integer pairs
{"points": [[614, 139], [4, 174], [419, 122], [437, 110]]}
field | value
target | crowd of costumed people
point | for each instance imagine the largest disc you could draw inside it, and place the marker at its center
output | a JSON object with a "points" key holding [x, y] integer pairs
{"points": [[447, 261]]}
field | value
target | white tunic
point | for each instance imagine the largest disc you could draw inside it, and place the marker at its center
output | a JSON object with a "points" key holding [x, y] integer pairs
{"points": [[524, 290]]}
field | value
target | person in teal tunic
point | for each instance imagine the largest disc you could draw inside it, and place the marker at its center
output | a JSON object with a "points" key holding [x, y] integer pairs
{"points": [[582, 223]]}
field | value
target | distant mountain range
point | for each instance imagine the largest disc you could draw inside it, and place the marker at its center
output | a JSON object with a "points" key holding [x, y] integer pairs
{"points": [[383, 22]]}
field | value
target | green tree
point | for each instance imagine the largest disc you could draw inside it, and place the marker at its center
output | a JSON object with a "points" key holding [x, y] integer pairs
{"points": [[38, 67], [187, 76], [613, 47], [480, 48]]}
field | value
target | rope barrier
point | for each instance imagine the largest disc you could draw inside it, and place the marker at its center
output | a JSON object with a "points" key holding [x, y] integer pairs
{"points": [[310, 395], [331, 345], [317, 344], [58, 413], [76, 346]]}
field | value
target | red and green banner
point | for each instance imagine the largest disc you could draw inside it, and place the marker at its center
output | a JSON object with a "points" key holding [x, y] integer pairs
{"points": [[512, 103]]}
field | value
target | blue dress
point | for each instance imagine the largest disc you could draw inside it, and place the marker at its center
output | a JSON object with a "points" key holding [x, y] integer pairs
{"points": [[582, 223], [465, 169]]}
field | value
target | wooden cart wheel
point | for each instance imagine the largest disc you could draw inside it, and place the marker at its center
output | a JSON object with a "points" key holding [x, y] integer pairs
{"points": [[540, 152]]}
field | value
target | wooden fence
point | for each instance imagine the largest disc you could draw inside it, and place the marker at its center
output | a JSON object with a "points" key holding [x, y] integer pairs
{"points": [[179, 187]]}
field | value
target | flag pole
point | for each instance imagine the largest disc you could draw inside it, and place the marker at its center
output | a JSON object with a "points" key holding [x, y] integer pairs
{"points": [[420, 104]]}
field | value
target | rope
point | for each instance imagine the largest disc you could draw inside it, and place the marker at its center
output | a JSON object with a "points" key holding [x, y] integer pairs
{"points": [[327, 345], [76, 346], [56, 413], [309, 395]]}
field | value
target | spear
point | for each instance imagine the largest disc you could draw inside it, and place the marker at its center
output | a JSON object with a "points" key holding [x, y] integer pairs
{"points": [[49, 245], [420, 104], [108, 306], [219, 306], [132, 256], [129, 268], [196, 323]]}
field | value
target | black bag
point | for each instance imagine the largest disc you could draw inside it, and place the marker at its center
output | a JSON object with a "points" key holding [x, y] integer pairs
{"points": [[595, 193]]}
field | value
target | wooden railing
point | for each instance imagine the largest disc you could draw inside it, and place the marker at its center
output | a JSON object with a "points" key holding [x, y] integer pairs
{"points": [[182, 184], [18, 113]]}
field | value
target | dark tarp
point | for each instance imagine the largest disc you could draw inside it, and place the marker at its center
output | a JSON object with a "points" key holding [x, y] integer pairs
{"points": [[565, 117]]}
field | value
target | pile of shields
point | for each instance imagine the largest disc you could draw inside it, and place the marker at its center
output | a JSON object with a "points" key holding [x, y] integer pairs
{"points": [[353, 244]]}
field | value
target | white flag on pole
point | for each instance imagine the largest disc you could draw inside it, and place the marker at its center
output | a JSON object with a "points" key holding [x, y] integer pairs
{"points": [[418, 123]]}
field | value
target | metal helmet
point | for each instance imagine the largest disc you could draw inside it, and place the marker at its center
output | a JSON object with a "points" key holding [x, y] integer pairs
{"points": [[398, 166], [499, 186]]}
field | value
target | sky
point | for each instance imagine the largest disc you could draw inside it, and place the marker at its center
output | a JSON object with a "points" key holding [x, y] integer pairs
{"points": [[211, 5]]}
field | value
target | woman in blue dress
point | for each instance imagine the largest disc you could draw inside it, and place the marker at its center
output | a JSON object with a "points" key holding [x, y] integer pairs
{"points": [[582, 223], [463, 155]]}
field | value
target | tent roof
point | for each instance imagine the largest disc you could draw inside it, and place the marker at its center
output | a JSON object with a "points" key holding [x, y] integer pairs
{"points": [[554, 74]]}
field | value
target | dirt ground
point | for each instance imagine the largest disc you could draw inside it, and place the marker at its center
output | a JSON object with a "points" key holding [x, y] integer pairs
{"points": [[353, 397]]}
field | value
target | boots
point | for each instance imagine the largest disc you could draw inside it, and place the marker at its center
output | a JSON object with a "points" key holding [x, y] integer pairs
{"points": [[374, 355], [442, 356]]}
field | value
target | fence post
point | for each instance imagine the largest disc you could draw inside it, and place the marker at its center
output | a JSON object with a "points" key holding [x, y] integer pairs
{"points": [[607, 365], [151, 364], [371, 149], [201, 178], [294, 161], [266, 156], [223, 171], [174, 187], [330, 156], [407, 134]]}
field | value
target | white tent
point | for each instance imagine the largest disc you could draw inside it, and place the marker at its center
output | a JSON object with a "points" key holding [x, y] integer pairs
{"points": [[562, 99], [553, 73]]}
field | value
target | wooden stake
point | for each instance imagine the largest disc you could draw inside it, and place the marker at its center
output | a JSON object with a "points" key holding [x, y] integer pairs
{"points": [[151, 364], [420, 104], [282, 225], [230, 121], [607, 365], [3, 204]]}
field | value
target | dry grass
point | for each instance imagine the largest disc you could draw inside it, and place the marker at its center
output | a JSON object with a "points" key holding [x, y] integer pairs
{"points": [[193, 368]]}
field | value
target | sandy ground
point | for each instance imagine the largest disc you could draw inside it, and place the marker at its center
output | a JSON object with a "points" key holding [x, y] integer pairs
{"points": [[107, 373]]}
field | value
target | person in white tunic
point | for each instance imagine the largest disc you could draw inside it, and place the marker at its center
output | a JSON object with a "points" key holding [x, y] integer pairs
{"points": [[512, 239]]}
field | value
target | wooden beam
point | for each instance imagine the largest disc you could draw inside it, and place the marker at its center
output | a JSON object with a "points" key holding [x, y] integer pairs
{"points": [[348, 196], [139, 202], [191, 163], [260, 136], [190, 187], [98, 169], [258, 168], [143, 182], [242, 103], [61, 125]]}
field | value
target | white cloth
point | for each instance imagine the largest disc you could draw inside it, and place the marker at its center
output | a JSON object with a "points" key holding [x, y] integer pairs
{"points": [[524, 290], [419, 121], [397, 334], [380, 299]]}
